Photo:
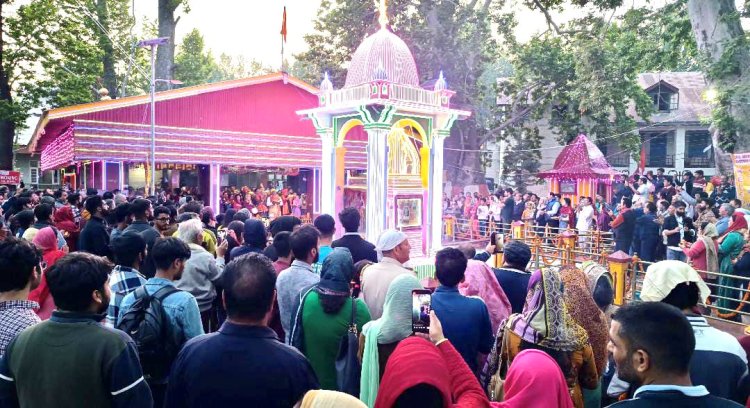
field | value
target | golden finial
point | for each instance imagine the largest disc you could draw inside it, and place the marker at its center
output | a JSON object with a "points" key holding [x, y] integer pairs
{"points": [[382, 10]]}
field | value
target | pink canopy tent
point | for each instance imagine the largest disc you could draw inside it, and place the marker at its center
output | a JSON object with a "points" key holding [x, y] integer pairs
{"points": [[581, 170]]}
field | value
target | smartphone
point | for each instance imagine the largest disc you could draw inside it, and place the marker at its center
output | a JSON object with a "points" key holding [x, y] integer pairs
{"points": [[221, 235], [421, 300], [493, 238]]}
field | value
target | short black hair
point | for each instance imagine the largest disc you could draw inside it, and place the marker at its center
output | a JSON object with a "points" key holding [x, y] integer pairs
{"points": [[126, 248], [140, 207], [108, 195], [567, 201], [282, 244], [737, 202], [24, 218], [661, 169], [304, 240], [241, 216], [92, 203], [627, 202], [325, 224], [167, 250], [192, 206], [74, 198], [697, 172], [679, 204], [683, 296], [162, 210], [74, 277], [249, 283], [18, 258], [517, 254], [350, 218], [661, 330], [651, 207], [43, 212], [450, 266], [122, 212]]}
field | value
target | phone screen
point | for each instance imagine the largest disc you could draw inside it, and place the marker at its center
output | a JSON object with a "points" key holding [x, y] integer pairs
{"points": [[420, 313], [221, 235]]}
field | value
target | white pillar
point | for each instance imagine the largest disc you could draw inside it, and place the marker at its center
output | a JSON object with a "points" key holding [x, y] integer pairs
{"points": [[104, 175], [327, 175], [679, 148], [436, 240], [214, 189], [120, 176], [377, 181]]}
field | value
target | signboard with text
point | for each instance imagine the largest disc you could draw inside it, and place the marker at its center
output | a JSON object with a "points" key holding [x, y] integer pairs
{"points": [[10, 178], [742, 175]]}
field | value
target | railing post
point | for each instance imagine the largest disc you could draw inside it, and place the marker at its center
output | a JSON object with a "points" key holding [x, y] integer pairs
{"points": [[618, 266], [518, 231], [568, 245]]}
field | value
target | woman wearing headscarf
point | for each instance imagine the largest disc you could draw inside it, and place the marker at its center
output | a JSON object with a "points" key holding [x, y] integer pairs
{"points": [[703, 254], [730, 246], [545, 324], [600, 283], [228, 217], [586, 313], [65, 222], [379, 338], [535, 381], [479, 280], [325, 314], [46, 241], [423, 374], [329, 399]]}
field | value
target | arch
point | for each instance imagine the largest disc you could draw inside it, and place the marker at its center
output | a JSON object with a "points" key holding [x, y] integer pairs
{"points": [[345, 128], [407, 122], [403, 157]]}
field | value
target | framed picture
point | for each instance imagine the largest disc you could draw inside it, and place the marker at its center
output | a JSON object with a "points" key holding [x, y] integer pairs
{"points": [[408, 211], [568, 187]]}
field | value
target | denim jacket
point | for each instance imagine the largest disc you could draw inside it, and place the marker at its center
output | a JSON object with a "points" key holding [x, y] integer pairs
{"points": [[181, 308]]}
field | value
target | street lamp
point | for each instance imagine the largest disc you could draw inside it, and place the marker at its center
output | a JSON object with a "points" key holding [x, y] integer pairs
{"points": [[153, 43]]}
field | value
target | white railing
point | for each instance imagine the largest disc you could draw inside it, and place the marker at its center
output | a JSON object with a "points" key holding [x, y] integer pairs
{"points": [[400, 93]]}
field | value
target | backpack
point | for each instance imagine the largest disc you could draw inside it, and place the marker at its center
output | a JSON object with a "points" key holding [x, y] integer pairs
{"points": [[146, 322]]}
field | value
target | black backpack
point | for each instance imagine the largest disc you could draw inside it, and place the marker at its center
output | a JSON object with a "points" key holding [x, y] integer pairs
{"points": [[147, 324]]}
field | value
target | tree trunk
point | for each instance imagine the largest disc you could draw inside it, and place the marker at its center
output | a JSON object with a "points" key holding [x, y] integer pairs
{"points": [[717, 29], [165, 52], [109, 78], [7, 126]]}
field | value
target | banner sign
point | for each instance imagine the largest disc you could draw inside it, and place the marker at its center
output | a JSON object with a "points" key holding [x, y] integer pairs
{"points": [[742, 175], [10, 178]]}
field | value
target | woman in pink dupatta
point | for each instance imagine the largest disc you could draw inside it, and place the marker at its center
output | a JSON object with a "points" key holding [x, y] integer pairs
{"points": [[480, 281]]}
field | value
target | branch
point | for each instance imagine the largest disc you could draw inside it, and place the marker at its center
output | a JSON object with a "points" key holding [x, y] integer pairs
{"points": [[551, 22], [518, 116]]}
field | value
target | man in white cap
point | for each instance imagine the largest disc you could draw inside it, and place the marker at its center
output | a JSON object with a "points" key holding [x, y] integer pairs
{"points": [[376, 278], [719, 362]]}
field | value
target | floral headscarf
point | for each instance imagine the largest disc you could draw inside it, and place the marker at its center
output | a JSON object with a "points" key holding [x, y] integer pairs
{"points": [[586, 313], [545, 320]]}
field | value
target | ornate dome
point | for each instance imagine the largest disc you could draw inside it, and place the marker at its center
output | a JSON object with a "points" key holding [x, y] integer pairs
{"points": [[326, 85], [382, 50], [441, 84]]}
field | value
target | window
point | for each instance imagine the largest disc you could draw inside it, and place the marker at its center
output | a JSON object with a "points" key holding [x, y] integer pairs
{"points": [[55, 177], [34, 172], [665, 97], [698, 149], [659, 148]]}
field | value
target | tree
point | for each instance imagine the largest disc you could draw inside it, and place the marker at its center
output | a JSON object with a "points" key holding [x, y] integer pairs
{"points": [[165, 52], [194, 64], [724, 46]]}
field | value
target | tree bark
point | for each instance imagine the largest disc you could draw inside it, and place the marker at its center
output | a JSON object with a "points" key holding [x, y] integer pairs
{"points": [[716, 26], [7, 126], [109, 77], [165, 52]]}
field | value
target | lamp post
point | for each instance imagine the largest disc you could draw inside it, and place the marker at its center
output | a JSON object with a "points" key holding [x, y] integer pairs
{"points": [[153, 43]]}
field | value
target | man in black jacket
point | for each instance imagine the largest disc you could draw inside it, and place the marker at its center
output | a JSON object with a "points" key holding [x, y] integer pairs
{"points": [[360, 249], [652, 344], [94, 238], [624, 226], [676, 228]]}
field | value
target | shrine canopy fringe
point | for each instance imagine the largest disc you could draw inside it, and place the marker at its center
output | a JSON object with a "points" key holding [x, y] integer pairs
{"points": [[580, 159]]}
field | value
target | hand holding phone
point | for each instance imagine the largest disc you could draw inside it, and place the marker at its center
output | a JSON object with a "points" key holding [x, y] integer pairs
{"points": [[420, 313]]}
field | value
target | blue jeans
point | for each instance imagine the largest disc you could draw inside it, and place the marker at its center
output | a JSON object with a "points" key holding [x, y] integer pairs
{"points": [[673, 255]]}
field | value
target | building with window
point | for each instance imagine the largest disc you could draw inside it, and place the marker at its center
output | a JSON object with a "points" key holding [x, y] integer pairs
{"points": [[675, 138]]}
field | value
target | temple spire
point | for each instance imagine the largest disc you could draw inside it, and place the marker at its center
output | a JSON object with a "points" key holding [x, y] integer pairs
{"points": [[382, 10]]}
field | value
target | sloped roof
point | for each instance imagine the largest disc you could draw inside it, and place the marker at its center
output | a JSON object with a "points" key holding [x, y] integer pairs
{"points": [[690, 85], [580, 158]]}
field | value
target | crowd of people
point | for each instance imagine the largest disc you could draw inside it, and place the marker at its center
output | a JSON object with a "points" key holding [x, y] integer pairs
{"points": [[109, 300], [265, 202]]}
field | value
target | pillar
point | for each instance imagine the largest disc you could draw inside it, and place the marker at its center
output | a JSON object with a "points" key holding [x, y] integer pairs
{"points": [[618, 266], [120, 175], [436, 190], [339, 177], [104, 175], [377, 180], [214, 187], [327, 174]]}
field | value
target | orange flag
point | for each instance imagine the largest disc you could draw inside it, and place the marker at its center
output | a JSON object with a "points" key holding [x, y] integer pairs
{"points": [[283, 26]]}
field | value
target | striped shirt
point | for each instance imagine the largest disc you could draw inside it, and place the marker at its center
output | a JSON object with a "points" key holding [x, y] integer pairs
{"points": [[15, 316], [122, 281]]}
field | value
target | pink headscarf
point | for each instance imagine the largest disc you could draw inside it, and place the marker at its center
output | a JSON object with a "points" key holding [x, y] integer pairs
{"points": [[46, 239], [535, 381], [481, 281]]}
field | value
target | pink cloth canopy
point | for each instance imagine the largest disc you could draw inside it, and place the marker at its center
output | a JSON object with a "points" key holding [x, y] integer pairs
{"points": [[581, 158]]}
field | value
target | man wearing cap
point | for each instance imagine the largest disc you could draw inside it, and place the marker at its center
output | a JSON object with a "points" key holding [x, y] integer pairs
{"points": [[719, 362], [395, 249]]}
